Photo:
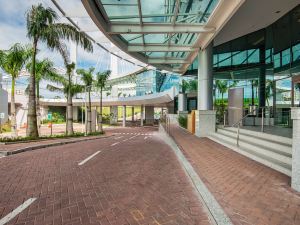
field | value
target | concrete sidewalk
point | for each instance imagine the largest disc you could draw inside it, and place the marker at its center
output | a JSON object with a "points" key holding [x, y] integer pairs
{"points": [[249, 192]]}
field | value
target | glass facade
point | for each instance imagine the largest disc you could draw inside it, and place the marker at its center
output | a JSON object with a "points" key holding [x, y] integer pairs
{"points": [[269, 57]]}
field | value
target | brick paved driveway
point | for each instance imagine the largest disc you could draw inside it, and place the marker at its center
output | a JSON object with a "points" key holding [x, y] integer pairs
{"points": [[249, 192], [134, 180]]}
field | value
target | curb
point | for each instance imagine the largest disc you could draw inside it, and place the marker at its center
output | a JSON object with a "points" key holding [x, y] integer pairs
{"points": [[213, 209], [31, 148]]}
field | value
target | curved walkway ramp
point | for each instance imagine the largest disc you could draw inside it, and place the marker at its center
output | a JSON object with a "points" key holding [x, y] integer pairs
{"points": [[157, 99]]}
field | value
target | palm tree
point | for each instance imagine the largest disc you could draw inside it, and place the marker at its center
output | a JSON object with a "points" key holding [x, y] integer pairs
{"points": [[269, 90], [44, 70], [100, 82], [12, 61], [66, 87], [42, 26], [223, 87], [254, 85], [88, 80]]}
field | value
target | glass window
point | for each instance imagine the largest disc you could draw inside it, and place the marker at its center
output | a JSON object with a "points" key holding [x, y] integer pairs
{"points": [[239, 58], [253, 56], [269, 55], [296, 52], [225, 59], [215, 60], [286, 57], [277, 62]]}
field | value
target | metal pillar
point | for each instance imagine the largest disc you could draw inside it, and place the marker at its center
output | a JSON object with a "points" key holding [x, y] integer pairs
{"points": [[142, 115], [124, 115], [205, 78], [262, 78], [132, 112]]}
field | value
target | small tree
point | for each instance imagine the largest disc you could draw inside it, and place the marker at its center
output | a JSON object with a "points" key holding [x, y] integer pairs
{"points": [[100, 83], [44, 70], [88, 80], [12, 61], [42, 26]]}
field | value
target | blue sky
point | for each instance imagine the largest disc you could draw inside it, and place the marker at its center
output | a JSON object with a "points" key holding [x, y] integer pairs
{"points": [[13, 30]]}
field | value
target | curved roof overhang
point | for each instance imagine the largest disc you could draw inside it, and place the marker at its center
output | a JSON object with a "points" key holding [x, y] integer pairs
{"points": [[169, 39]]}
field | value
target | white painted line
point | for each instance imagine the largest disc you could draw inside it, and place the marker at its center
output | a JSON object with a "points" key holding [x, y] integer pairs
{"points": [[88, 158], [118, 137], [16, 211], [145, 138], [126, 139], [115, 143], [133, 137]]}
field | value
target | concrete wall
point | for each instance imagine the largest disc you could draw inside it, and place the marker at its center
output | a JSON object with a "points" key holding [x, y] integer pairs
{"points": [[4, 103]]}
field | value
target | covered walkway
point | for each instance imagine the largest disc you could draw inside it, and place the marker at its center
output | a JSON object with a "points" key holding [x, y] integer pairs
{"points": [[249, 192]]}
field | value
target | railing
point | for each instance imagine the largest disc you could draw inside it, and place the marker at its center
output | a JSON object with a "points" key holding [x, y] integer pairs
{"points": [[255, 113]]}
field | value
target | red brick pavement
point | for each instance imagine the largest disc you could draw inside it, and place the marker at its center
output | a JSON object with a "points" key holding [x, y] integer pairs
{"points": [[136, 182], [249, 192]]}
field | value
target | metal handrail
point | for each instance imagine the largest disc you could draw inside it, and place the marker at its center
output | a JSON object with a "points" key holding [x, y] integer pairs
{"points": [[238, 124]]}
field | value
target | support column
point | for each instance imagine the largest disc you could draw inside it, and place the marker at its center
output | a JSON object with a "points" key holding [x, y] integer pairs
{"points": [[142, 115], [182, 103], [295, 115], [205, 115], [149, 115], [132, 112], [124, 116], [94, 119], [113, 115], [75, 113], [262, 78]]}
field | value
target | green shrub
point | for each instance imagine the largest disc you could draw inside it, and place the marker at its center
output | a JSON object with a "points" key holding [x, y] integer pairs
{"points": [[182, 120], [76, 134]]}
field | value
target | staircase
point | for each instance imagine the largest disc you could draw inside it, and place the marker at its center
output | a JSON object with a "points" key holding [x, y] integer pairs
{"points": [[270, 150]]}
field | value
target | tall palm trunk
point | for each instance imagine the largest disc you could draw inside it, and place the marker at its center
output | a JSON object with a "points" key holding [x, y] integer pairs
{"points": [[13, 108], [38, 108], [70, 130], [100, 128], [89, 114], [32, 130]]}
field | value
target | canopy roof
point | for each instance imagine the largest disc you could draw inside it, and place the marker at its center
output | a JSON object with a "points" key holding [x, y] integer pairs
{"points": [[164, 33]]}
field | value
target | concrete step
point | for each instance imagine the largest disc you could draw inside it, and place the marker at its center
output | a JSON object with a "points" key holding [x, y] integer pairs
{"points": [[271, 145], [279, 162], [260, 135]]}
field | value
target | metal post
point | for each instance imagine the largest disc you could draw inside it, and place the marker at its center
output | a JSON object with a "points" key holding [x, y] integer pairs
{"points": [[224, 118], [51, 126], [85, 119], [238, 135], [0, 126], [262, 119], [82, 129]]}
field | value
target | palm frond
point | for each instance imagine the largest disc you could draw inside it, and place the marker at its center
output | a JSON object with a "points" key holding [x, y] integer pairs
{"points": [[54, 89]]}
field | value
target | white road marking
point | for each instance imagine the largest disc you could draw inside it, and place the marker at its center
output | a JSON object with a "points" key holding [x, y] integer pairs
{"points": [[145, 138], [115, 143], [118, 137], [126, 139], [133, 137], [16, 211], [88, 158]]}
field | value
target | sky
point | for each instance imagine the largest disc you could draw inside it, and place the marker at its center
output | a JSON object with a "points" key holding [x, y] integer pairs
{"points": [[13, 30]]}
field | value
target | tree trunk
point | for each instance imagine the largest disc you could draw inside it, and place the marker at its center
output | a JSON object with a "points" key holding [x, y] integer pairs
{"points": [[100, 127], [70, 130], [38, 108], [89, 115], [32, 130], [13, 109]]}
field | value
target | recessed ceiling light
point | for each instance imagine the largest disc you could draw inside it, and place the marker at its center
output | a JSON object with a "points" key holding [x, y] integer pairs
{"points": [[277, 12]]}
